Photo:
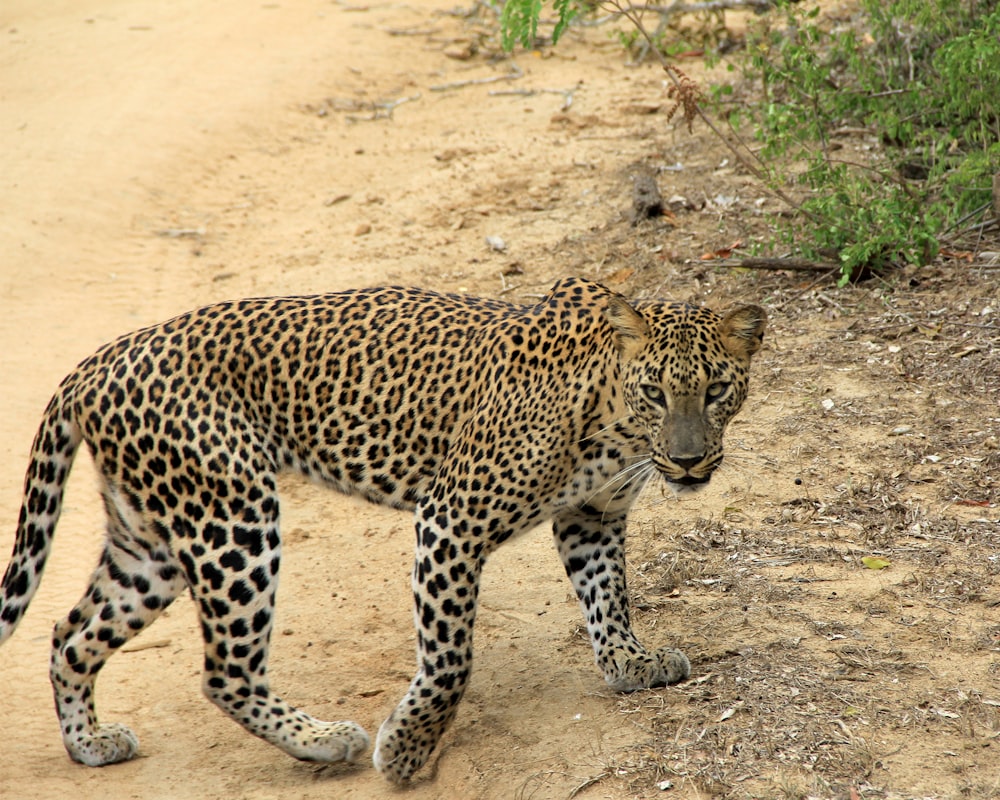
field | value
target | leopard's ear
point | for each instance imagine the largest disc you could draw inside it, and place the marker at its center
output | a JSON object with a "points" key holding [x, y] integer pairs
{"points": [[742, 330], [629, 326]]}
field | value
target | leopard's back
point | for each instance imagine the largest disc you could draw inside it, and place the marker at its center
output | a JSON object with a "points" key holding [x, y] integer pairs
{"points": [[360, 390]]}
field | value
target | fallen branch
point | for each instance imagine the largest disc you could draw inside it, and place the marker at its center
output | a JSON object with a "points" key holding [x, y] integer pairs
{"points": [[411, 31], [181, 233], [382, 109], [567, 94], [709, 5], [789, 264], [588, 783], [513, 75]]}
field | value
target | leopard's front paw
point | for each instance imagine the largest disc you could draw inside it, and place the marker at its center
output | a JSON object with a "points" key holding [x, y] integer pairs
{"points": [[403, 745], [327, 742], [659, 668], [107, 744]]}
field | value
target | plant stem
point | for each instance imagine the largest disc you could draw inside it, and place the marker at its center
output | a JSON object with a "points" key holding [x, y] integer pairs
{"points": [[634, 15]]}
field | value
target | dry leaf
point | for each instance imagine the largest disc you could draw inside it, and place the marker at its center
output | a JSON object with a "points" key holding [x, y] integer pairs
{"points": [[724, 252], [621, 275]]}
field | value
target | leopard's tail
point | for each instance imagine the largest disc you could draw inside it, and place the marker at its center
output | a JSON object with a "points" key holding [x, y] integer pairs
{"points": [[52, 454]]}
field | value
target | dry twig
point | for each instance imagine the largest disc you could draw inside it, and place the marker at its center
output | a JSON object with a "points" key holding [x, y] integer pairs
{"points": [[513, 75], [688, 100], [789, 264]]}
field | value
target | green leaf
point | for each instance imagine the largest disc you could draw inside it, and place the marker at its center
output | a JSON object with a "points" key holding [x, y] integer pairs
{"points": [[567, 11], [875, 562], [519, 22]]}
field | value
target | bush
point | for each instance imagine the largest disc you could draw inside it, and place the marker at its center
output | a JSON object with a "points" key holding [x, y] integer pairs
{"points": [[916, 75], [919, 80]]}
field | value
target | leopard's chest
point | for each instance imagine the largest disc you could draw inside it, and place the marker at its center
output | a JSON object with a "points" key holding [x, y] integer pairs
{"points": [[609, 477]]}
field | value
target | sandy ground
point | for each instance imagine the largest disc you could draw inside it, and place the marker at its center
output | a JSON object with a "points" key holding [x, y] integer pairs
{"points": [[158, 156]]}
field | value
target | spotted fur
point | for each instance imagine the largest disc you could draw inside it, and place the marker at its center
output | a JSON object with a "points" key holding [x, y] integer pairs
{"points": [[482, 417]]}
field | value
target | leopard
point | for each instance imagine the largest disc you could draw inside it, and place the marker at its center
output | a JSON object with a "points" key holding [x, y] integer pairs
{"points": [[482, 417]]}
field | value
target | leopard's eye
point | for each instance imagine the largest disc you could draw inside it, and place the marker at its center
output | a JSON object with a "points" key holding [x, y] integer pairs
{"points": [[715, 391], [654, 394]]}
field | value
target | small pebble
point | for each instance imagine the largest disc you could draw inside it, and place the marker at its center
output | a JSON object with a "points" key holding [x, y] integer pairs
{"points": [[496, 243]]}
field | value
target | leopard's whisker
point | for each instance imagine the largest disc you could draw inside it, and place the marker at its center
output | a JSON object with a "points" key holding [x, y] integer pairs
{"points": [[645, 477], [650, 474], [642, 475], [665, 498], [606, 428], [734, 464], [622, 473]]}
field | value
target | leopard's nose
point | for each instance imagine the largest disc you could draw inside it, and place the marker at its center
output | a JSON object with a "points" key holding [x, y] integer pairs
{"points": [[687, 463]]}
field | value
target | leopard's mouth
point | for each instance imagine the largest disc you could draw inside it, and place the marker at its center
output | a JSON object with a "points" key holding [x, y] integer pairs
{"points": [[687, 480], [690, 480]]}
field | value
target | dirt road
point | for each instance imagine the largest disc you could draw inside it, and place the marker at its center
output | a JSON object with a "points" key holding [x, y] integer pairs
{"points": [[157, 156]]}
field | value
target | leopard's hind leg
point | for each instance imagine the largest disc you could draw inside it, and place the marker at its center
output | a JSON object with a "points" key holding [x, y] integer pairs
{"points": [[234, 582], [135, 580]]}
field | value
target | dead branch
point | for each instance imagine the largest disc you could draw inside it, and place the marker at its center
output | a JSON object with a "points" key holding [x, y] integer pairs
{"points": [[709, 5], [567, 94], [382, 109], [513, 75], [789, 264]]}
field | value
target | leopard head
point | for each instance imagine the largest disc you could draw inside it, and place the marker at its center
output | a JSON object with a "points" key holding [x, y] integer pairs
{"points": [[685, 374]]}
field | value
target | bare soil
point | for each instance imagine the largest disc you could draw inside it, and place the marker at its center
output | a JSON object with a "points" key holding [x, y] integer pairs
{"points": [[159, 156]]}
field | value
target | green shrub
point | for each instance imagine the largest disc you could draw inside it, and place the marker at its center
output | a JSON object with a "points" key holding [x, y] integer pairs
{"points": [[919, 76], [920, 79]]}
